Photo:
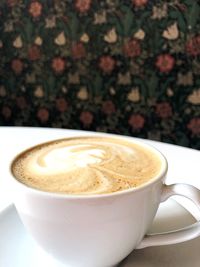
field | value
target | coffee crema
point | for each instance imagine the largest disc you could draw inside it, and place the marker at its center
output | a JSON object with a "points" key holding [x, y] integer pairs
{"points": [[86, 165]]}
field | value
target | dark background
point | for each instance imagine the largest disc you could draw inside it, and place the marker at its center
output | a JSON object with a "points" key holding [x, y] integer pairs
{"points": [[128, 67]]}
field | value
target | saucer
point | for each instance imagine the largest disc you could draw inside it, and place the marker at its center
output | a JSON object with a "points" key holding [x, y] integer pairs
{"points": [[18, 249]]}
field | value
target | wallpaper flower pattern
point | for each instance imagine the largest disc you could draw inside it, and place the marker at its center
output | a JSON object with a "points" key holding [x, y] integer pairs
{"points": [[123, 66]]}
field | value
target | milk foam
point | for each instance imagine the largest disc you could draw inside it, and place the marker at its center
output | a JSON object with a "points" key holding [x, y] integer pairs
{"points": [[86, 166], [61, 160]]}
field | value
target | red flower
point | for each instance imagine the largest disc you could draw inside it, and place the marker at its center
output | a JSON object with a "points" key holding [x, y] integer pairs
{"points": [[6, 112], [58, 65], [132, 48], [164, 110], [83, 5], [136, 121], [107, 64], [108, 107], [139, 3], [35, 9], [17, 66], [78, 51], [43, 114], [34, 53], [194, 126], [11, 3], [61, 104], [193, 46], [165, 63], [21, 102], [86, 118]]}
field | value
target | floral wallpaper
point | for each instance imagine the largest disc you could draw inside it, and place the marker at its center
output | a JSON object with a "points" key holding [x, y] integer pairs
{"points": [[122, 66]]}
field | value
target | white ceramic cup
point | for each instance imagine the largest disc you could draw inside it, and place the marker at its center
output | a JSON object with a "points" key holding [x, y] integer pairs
{"points": [[100, 230]]}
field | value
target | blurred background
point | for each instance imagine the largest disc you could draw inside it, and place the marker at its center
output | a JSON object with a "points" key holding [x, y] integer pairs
{"points": [[129, 67]]}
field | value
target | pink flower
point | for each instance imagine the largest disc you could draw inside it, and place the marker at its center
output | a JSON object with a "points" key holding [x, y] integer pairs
{"points": [[108, 107], [35, 9], [165, 63], [86, 118], [193, 46], [164, 110], [194, 126], [34, 53], [17, 66], [136, 121], [61, 104], [83, 5], [107, 64], [43, 115], [11, 3], [78, 51], [6, 112], [139, 3], [58, 65], [132, 48]]}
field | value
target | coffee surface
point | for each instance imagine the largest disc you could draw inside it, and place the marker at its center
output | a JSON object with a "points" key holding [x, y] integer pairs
{"points": [[86, 165]]}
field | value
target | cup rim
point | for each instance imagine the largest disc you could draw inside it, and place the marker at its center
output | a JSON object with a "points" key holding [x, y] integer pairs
{"points": [[162, 173]]}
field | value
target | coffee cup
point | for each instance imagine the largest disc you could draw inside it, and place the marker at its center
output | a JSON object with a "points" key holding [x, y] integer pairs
{"points": [[89, 201]]}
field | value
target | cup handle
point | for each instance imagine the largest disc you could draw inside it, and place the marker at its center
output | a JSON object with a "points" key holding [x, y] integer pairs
{"points": [[180, 235]]}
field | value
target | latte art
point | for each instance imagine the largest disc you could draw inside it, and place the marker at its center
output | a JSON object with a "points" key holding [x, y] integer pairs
{"points": [[87, 165], [66, 159]]}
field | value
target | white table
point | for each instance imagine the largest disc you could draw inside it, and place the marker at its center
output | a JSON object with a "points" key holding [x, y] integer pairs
{"points": [[184, 166]]}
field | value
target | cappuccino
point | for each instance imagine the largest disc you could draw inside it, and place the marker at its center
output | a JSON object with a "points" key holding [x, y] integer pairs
{"points": [[86, 165]]}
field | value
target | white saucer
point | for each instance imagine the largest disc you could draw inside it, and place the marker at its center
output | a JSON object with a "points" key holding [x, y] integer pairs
{"points": [[17, 249]]}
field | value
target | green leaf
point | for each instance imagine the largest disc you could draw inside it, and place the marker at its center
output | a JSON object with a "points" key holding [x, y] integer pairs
{"points": [[96, 84], [28, 30], [193, 15], [182, 24], [142, 85], [64, 27], [128, 21], [178, 16], [152, 85], [115, 20], [74, 26], [50, 83], [144, 18]]}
